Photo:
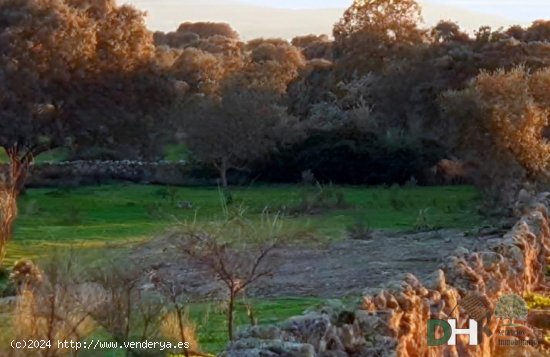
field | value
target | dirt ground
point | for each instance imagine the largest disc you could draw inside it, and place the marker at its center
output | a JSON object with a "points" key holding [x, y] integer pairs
{"points": [[333, 270]]}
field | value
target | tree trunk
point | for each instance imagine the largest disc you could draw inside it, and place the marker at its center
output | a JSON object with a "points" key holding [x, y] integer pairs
{"points": [[230, 311], [10, 187], [223, 173], [224, 178]]}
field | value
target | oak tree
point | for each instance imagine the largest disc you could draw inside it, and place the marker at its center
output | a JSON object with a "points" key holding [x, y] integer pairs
{"points": [[232, 131], [63, 68], [373, 32], [499, 121]]}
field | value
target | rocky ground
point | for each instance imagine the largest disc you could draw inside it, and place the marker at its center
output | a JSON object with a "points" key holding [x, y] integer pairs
{"points": [[333, 270]]}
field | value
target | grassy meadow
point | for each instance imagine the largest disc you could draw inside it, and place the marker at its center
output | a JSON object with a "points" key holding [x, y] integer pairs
{"points": [[116, 216], [120, 214]]}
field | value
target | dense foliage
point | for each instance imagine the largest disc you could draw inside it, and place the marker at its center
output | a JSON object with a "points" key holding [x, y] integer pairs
{"points": [[73, 73], [366, 106]]}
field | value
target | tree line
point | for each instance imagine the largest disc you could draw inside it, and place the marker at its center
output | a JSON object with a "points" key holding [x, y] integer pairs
{"points": [[381, 101]]}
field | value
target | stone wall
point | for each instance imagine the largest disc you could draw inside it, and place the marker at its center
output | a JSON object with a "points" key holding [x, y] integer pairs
{"points": [[74, 173], [392, 320]]}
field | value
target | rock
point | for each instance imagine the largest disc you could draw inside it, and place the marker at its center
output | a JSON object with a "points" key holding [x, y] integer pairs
{"points": [[380, 301], [461, 252], [422, 291], [372, 291], [489, 231], [333, 354], [412, 281], [436, 281], [368, 322], [274, 348], [351, 337], [491, 261], [269, 332], [83, 172]]}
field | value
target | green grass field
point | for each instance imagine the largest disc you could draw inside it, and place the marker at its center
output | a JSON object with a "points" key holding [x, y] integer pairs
{"points": [[211, 323], [119, 215]]}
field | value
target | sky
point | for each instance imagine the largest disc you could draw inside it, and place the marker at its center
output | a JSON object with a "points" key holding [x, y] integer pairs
{"points": [[288, 18], [520, 10]]}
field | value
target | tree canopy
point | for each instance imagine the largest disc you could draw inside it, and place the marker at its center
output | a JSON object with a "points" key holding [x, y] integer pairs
{"points": [[373, 32], [72, 72]]}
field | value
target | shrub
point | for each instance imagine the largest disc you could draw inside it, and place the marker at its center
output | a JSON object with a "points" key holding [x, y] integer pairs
{"points": [[360, 230], [324, 199], [347, 155], [50, 307], [7, 287], [177, 330], [4, 273], [422, 222], [537, 301]]}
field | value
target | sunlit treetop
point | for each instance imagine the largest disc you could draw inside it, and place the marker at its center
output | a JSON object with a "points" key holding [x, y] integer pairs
{"points": [[58, 56], [393, 20]]}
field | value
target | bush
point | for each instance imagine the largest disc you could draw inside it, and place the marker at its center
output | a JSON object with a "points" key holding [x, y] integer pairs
{"points": [[4, 273], [424, 222], [172, 328], [537, 301], [322, 200], [360, 230], [50, 304], [7, 287], [349, 156]]}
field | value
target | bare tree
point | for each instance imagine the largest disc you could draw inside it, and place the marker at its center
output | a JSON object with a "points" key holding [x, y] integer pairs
{"points": [[123, 308], [237, 253]]}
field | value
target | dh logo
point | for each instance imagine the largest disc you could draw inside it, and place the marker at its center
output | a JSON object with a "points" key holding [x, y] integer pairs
{"points": [[450, 332], [479, 314]]}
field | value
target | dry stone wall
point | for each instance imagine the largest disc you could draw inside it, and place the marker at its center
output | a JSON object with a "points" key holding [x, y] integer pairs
{"points": [[392, 320], [74, 173]]}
